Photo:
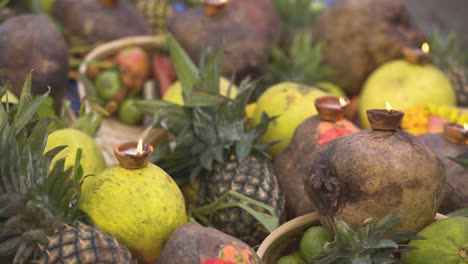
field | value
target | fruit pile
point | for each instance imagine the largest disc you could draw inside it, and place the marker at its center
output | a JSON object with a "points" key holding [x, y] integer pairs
{"points": [[376, 242], [120, 80], [236, 158]]}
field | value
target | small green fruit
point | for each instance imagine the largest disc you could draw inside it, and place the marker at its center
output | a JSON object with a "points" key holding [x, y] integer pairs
{"points": [[128, 113], [293, 258], [108, 84], [313, 241]]}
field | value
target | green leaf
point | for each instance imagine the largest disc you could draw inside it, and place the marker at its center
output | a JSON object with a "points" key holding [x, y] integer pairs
{"points": [[460, 212], [186, 71], [212, 73], [3, 3], [270, 222], [462, 161], [386, 243], [23, 117], [151, 107]]}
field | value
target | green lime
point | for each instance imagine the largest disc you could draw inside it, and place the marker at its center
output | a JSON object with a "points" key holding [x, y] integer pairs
{"points": [[312, 242], [128, 113], [108, 84], [293, 258]]}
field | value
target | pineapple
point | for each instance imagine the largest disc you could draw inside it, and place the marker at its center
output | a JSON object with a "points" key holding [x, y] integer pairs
{"points": [[458, 75], [373, 243], [208, 145], [38, 207], [449, 55]]}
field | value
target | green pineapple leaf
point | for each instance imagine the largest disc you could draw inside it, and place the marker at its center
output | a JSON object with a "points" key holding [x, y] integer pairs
{"points": [[187, 72], [302, 62], [371, 243], [269, 221], [462, 160]]}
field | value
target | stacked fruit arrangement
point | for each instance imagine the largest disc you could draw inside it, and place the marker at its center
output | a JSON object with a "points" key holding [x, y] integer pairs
{"points": [[131, 74]]}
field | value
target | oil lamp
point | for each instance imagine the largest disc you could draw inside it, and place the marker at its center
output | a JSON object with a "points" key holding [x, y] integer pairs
{"points": [[417, 55], [385, 119], [331, 108], [133, 155], [108, 3], [213, 7], [456, 133]]}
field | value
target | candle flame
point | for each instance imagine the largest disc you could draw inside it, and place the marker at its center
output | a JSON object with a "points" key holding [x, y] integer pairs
{"points": [[140, 147], [425, 47], [389, 107], [343, 102], [465, 126]]}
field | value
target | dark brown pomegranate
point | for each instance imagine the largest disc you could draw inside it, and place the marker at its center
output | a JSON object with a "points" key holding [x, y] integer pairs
{"points": [[33, 43], [291, 164]]}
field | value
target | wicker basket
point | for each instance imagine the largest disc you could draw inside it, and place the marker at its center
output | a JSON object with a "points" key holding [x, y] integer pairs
{"points": [[113, 131], [286, 237]]}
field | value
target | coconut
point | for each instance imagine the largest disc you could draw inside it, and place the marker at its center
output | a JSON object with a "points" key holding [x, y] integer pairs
{"points": [[93, 21], [374, 172], [32, 42], [244, 29], [291, 163], [456, 194], [360, 35]]}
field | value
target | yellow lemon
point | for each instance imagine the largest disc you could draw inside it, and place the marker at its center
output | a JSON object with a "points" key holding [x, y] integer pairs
{"points": [[174, 93]]}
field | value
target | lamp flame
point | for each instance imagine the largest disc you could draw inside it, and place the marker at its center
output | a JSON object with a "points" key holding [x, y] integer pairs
{"points": [[425, 47], [343, 102], [465, 126], [140, 147], [389, 107]]}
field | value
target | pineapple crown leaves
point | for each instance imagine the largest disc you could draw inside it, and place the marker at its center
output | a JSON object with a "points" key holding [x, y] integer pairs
{"points": [[302, 62], [461, 159], [209, 128], [29, 189], [447, 51], [4, 3], [299, 13], [372, 243]]}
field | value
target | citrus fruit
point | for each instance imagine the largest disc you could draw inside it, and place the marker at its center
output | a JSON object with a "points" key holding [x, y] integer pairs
{"points": [[446, 242], [174, 94], [128, 113], [108, 84], [293, 258], [404, 85], [140, 207], [10, 97], [330, 88], [92, 160], [313, 241], [292, 103]]}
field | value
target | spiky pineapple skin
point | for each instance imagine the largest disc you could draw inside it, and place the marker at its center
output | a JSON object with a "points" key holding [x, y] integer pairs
{"points": [[252, 177], [459, 78], [81, 243]]}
